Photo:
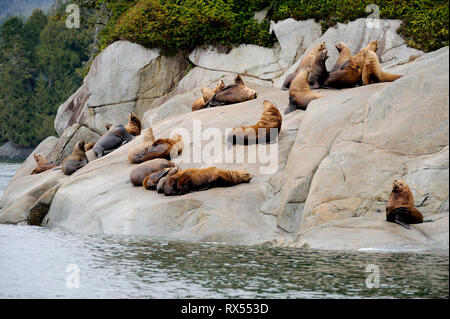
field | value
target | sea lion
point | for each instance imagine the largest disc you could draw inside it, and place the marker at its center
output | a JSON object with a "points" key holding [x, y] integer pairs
{"points": [[161, 148], [152, 180], [300, 93], [372, 72], [400, 208], [135, 152], [195, 179], [117, 136], [76, 160], [141, 171], [350, 73], [88, 146], [231, 94], [207, 94], [318, 74], [307, 62], [344, 55], [42, 164], [270, 119]]}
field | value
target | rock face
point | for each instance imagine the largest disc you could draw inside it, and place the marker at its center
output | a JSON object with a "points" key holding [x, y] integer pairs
{"points": [[112, 83], [326, 183]]}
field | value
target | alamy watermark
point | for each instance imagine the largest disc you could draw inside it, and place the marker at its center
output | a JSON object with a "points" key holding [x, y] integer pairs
{"points": [[373, 19], [73, 277], [373, 279], [73, 19]]}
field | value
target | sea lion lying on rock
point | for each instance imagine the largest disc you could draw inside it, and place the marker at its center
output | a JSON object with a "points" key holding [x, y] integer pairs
{"points": [[152, 180], [300, 93], [196, 179], [42, 164], [372, 72], [141, 171], [207, 94], [76, 160], [231, 94], [161, 148], [270, 119], [136, 152], [350, 73], [400, 208], [344, 55], [308, 62], [117, 136]]}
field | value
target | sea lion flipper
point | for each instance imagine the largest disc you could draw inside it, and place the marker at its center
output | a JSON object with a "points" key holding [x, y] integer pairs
{"points": [[399, 220]]}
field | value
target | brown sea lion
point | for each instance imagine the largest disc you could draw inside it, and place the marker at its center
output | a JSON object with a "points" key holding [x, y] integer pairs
{"points": [[300, 93], [231, 94], [372, 72], [117, 136], [344, 55], [318, 74], [307, 62], [270, 119], [195, 179], [135, 152], [400, 208], [350, 73], [152, 180], [76, 160], [141, 171], [207, 94], [88, 146], [42, 164], [161, 148]]}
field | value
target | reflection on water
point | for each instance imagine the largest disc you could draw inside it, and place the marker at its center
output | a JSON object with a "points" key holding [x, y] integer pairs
{"points": [[34, 260], [33, 263]]}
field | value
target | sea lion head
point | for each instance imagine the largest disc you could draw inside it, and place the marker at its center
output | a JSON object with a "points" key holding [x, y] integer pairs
{"points": [[88, 146], [323, 55], [318, 47], [37, 157], [339, 46], [134, 125], [238, 80], [167, 184], [399, 186], [149, 137], [108, 126], [79, 147], [219, 86], [249, 93]]}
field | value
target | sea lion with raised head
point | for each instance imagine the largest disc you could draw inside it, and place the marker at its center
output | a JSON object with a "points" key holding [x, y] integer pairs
{"points": [[400, 208], [42, 164], [350, 73], [372, 72], [141, 171], [161, 148], [308, 62], [136, 152], [76, 160], [196, 179], [117, 136], [207, 94], [270, 119], [300, 93], [231, 94], [318, 74], [344, 55]]}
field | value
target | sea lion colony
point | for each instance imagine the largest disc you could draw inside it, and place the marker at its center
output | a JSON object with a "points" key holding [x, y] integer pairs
{"points": [[155, 171]]}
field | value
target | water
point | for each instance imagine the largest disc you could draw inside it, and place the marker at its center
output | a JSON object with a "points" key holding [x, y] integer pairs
{"points": [[37, 262], [7, 171]]}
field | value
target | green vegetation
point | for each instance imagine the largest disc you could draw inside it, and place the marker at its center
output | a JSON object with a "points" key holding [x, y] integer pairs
{"points": [[184, 24], [41, 65]]}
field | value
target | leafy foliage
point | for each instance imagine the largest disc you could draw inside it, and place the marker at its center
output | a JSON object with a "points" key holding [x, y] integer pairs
{"points": [[184, 24], [40, 63]]}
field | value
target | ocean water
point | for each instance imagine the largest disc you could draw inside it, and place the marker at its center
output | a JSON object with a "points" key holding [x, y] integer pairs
{"points": [[38, 262]]}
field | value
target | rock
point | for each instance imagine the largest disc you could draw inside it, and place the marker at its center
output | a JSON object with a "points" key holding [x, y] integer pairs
{"points": [[372, 235], [40, 208], [11, 151], [158, 78], [357, 34], [294, 37], [113, 81]]}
